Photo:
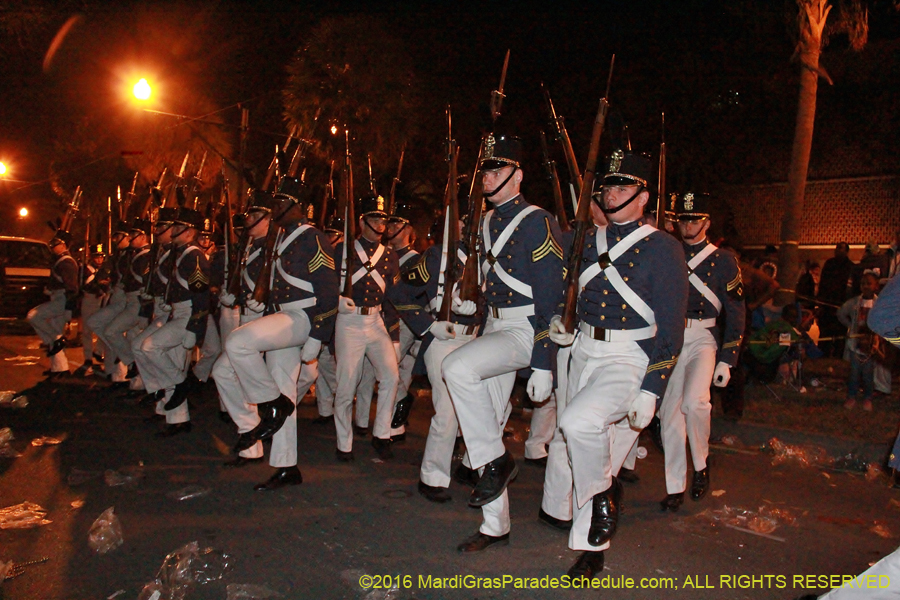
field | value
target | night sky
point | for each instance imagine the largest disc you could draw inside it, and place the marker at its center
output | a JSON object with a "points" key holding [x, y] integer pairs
{"points": [[720, 71]]}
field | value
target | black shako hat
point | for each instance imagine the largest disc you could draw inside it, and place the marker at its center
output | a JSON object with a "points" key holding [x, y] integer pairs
{"points": [[370, 205], [334, 224], [166, 216], [501, 151], [690, 206], [629, 168], [61, 237], [141, 226], [403, 212], [190, 217]]}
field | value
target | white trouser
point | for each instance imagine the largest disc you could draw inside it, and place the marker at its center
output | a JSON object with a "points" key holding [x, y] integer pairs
{"points": [[90, 304], [442, 433], [104, 317], [229, 320], [232, 397], [543, 425], [557, 499], [480, 377], [357, 337], [685, 410], [209, 351], [365, 389], [631, 458], [280, 336], [603, 379], [326, 382], [878, 582], [119, 332], [49, 321], [165, 358], [409, 349], [160, 317]]}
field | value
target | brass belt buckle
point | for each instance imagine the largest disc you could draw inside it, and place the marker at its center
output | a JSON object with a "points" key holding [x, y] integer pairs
{"points": [[604, 260]]}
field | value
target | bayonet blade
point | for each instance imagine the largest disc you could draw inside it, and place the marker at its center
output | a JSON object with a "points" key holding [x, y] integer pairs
{"points": [[497, 95], [184, 165]]}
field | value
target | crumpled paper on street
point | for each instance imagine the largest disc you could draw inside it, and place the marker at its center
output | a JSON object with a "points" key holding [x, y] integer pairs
{"points": [[806, 455], [23, 516]]}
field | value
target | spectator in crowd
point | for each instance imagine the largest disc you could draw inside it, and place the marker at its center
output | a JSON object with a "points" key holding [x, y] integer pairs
{"points": [[873, 261], [833, 286], [773, 348], [808, 285], [862, 343]]}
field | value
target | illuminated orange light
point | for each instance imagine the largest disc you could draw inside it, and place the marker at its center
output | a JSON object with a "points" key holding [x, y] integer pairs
{"points": [[23, 212], [142, 90], [2, 169]]}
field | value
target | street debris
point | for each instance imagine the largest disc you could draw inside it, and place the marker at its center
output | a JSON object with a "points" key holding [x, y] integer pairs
{"points": [[717, 493], [76, 504], [6, 449], [183, 567], [761, 522], [14, 569], [106, 532], [129, 476], [78, 476], [249, 591], [23, 516], [9, 399], [45, 440], [23, 361], [881, 530], [189, 492], [806, 455]]}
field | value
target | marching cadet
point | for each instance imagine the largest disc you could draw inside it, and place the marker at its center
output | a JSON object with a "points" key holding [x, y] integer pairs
{"points": [[401, 236], [631, 306], [522, 270], [715, 289], [418, 297], [363, 332], [298, 318], [116, 265], [94, 286], [231, 394], [50, 318], [187, 298], [212, 342], [119, 333], [326, 382], [154, 302]]}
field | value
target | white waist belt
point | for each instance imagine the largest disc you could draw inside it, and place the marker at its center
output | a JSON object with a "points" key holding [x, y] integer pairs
{"points": [[295, 305], [367, 310], [516, 312], [704, 323], [617, 335]]}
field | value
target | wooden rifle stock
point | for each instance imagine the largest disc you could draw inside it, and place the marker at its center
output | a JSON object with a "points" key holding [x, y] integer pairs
{"points": [[392, 198], [470, 287], [661, 197], [553, 177], [349, 221], [451, 235], [582, 221]]}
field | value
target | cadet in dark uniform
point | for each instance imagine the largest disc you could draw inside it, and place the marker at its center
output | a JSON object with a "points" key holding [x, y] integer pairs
{"points": [[326, 382], [631, 310], [522, 268], [116, 265], [94, 289], [50, 318], [298, 318], [365, 331], [715, 289]]}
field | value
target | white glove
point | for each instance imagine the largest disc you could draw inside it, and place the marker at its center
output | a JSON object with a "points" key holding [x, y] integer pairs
{"points": [[462, 307], [722, 374], [190, 340], [310, 352], [166, 308], [442, 330], [540, 384], [397, 352], [255, 306], [226, 299], [346, 305], [146, 297], [558, 334], [642, 409]]}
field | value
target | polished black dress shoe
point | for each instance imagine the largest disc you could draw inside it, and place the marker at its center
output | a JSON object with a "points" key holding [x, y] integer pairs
{"points": [[628, 475], [85, 370], [360, 431], [173, 429], [480, 541], [589, 564], [536, 462], [149, 399], [399, 438], [245, 440], [401, 411], [344, 456], [239, 461], [322, 420], [605, 514], [552, 521], [655, 429], [496, 476], [272, 416], [465, 476], [179, 396], [382, 448], [283, 477], [434, 494], [118, 386], [132, 371], [700, 484], [56, 347], [672, 502]]}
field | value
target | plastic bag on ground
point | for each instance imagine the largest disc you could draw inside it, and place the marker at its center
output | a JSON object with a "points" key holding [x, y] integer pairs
{"points": [[125, 476], [765, 520], [186, 565], [807, 455], [23, 516], [8, 399], [6, 449], [249, 591], [106, 532], [189, 492], [45, 440]]}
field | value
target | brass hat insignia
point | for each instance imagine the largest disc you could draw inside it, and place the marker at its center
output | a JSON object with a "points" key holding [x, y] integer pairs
{"points": [[673, 197], [310, 212], [380, 201], [615, 161], [489, 143], [689, 201]]}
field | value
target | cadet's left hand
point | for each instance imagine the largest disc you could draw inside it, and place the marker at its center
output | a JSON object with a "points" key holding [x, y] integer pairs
{"points": [[462, 307], [397, 351], [540, 384], [641, 410], [310, 352], [190, 340], [255, 306], [722, 374], [558, 333]]}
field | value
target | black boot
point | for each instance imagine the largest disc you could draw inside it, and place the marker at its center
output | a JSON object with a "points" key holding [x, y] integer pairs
{"points": [[605, 515], [401, 411]]}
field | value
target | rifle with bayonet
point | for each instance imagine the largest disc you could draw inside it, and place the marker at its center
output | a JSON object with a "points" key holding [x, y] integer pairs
{"points": [[349, 220], [66, 222], [661, 197], [264, 277], [470, 286], [196, 182], [562, 135], [553, 178], [583, 216], [451, 226], [392, 197], [270, 173], [326, 196], [130, 197], [371, 178]]}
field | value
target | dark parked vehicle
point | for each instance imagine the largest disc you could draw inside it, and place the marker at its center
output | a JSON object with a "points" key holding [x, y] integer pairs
{"points": [[24, 271]]}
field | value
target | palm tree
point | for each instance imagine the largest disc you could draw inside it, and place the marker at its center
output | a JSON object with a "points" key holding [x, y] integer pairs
{"points": [[811, 19]]}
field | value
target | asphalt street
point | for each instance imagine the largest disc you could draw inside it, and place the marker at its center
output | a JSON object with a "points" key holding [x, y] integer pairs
{"points": [[364, 521]]}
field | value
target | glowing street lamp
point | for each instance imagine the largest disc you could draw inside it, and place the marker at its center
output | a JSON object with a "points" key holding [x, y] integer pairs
{"points": [[2, 169], [23, 212], [142, 90]]}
